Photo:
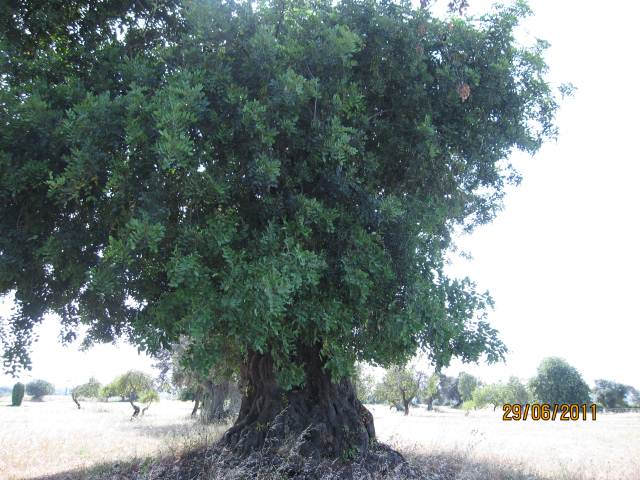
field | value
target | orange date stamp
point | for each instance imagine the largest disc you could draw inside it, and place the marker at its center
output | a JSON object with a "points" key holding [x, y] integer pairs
{"points": [[544, 411]]}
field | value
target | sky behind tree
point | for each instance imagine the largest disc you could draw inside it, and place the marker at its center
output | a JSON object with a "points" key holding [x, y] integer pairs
{"points": [[561, 260]]}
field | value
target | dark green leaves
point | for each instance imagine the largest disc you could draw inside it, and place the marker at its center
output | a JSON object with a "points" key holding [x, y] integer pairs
{"points": [[258, 179]]}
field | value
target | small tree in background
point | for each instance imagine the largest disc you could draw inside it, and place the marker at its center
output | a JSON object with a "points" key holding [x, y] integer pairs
{"points": [[466, 385], [108, 391], [91, 389], [429, 390], [493, 394], [448, 391], [214, 390], [497, 394], [17, 394], [401, 385], [516, 392], [38, 389], [611, 394], [148, 397], [559, 382]]}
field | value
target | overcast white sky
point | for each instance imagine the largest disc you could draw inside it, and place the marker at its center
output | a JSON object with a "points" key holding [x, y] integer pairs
{"points": [[562, 260]]}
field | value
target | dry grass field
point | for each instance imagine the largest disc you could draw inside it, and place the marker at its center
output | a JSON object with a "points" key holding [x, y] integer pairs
{"points": [[50, 437]]}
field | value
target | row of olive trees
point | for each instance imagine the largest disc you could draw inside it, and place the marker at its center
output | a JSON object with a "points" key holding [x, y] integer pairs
{"points": [[555, 382], [131, 386]]}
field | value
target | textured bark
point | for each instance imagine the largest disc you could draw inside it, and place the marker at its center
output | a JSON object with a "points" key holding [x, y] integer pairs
{"points": [[136, 409], [430, 404], [196, 403], [319, 419], [213, 397], [144, 410]]}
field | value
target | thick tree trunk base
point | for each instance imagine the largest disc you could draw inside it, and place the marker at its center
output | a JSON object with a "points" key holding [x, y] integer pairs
{"points": [[219, 463], [316, 432], [380, 462], [321, 419]]}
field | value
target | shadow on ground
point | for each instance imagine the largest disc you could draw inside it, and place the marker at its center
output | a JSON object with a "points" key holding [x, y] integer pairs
{"points": [[196, 464]]}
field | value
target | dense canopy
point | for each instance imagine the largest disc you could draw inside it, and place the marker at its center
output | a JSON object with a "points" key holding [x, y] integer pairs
{"points": [[258, 177]]}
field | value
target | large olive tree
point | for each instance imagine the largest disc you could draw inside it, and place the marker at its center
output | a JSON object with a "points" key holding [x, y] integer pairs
{"points": [[278, 181]]}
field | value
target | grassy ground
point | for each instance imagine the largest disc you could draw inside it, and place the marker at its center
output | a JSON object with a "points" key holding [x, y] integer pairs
{"points": [[487, 447], [51, 437]]}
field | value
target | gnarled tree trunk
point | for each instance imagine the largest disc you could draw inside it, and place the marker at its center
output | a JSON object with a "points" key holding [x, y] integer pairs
{"points": [[405, 404], [136, 409], [196, 403], [213, 397], [318, 419], [75, 400]]}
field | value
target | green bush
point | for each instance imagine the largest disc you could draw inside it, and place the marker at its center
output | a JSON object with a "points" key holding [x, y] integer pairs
{"points": [[17, 394], [468, 405], [39, 388], [186, 394]]}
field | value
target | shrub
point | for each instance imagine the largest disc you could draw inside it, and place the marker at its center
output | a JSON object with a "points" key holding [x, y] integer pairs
{"points": [[468, 405], [91, 389], [39, 388], [17, 394], [186, 394]]}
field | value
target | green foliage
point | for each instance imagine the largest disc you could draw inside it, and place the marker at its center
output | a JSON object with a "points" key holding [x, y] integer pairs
{"points": [[493, 394], [401, 385], [108, 391], [466, 385], [364, 384], [257, 179], [447, 393], [497, 394], [149, 396], [516, 392], [17, 394], [91, 389], [429, 389], [611, 394], [468, 405], [39, 389], [186, 394], [558, 382], [132, 384]]}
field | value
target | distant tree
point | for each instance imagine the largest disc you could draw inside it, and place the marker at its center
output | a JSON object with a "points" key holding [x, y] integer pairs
{"points": [[148, 397], [400, 385], [131, 385], [448, 391], [493, 394], [38, 389], [633, 397], [516, 392], [611, 394], [466, 385], [5, 391], [17, 394], [91, 389], [558, 382], [429, 390], [108, 391], [214, 390]]}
